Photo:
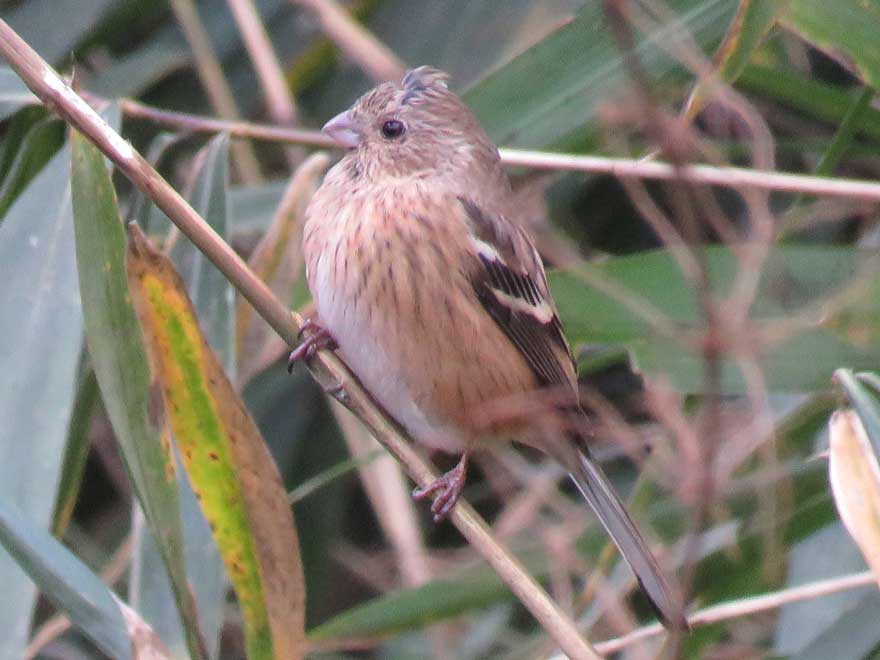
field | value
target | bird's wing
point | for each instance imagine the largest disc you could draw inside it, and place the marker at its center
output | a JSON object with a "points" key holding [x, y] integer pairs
{"points": [[511, 284], [508, 278]]}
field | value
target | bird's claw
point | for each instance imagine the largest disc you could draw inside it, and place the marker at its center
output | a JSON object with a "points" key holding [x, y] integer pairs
{"points": [[445, 490], [318, 339]]}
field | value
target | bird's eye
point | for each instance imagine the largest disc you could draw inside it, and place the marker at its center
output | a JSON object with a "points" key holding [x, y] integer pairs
{"points": [[393, 128]]}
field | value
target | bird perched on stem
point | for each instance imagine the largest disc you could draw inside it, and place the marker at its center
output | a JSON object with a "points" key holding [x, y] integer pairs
{"points": [[438, 302]]}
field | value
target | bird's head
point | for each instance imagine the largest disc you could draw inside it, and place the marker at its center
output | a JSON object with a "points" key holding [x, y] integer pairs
{"points": [[418, 127]]}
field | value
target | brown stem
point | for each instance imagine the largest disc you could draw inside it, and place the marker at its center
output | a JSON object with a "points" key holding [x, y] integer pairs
{"points": [[214, 82], [359, 45], [745, 607], [279, 100], [623, 168]]}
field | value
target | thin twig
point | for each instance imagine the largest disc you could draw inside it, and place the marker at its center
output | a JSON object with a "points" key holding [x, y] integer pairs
{"points": [[746, 606], [211, 75], [729, 177], [235, 128], [279, 100], [269, 73], [358, 43], [326, 368], [624, 168]]}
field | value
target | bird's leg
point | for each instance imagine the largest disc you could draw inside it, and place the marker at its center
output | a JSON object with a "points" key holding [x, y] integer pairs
{"points": [[445, 490], [318, 338]]}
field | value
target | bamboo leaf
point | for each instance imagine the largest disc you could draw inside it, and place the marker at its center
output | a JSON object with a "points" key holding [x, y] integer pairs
{"points": [[211, 293], [854, 636], [795, 277], [17, 128], [847, 29], [750, 25], [76, 451], [66, 581], [13, 92], [231, 471], [40, 143], [54, 29], [213, 297], [855, 482], [864, 402], [120, 363], [575, 69], [414, 608], [41, 327], [824, 554], [812, 97]]}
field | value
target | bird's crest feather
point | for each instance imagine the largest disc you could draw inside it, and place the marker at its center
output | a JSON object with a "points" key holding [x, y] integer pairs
{"points": [[423, 79]]}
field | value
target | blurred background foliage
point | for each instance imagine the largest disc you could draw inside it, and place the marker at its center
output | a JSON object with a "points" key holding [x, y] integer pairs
{"points": [[543, 75]]}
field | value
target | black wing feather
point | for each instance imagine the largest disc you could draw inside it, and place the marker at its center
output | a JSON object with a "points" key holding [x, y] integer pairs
{"points": [[532, 337]]}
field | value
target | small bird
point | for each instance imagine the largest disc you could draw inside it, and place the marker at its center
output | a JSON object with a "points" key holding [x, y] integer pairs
{"points": [[439, 303]]}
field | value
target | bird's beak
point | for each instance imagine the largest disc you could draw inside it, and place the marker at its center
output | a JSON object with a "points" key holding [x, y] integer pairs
{"points": [[342, 129]]}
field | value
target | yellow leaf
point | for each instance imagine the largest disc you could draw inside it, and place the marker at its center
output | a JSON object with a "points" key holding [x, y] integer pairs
{"points": [[855, 483], [231, 471]]}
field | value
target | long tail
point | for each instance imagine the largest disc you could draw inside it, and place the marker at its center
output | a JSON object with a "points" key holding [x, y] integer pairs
{"points": [[599, 493]]}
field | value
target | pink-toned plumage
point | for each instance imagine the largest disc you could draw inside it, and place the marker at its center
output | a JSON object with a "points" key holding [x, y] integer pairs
{"points": [[439, 303]]}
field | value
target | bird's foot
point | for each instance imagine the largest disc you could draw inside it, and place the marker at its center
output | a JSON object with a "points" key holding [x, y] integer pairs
{"points": [[445, 490], [318, 339]]}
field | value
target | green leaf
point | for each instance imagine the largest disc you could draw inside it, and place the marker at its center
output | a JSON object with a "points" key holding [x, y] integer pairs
{"points": [[76, 451], [41, 327], [13, 92], [65, 581], [19, 125], [139, 70], [40, 143], [210, 291], [233, 475], [826, 553], [794, 277], [415, 608], [254, 206], [846, 28], [213, 296], [753, 21], [548, 95], [843, 138], [161, 154], [812, 97], [852, 637], [865, 402], [54, 29], [750, 25], [120, 363]]}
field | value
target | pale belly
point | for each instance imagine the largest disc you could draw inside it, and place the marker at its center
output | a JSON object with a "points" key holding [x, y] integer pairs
{"points": [[396, 298], [367, 345]]}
